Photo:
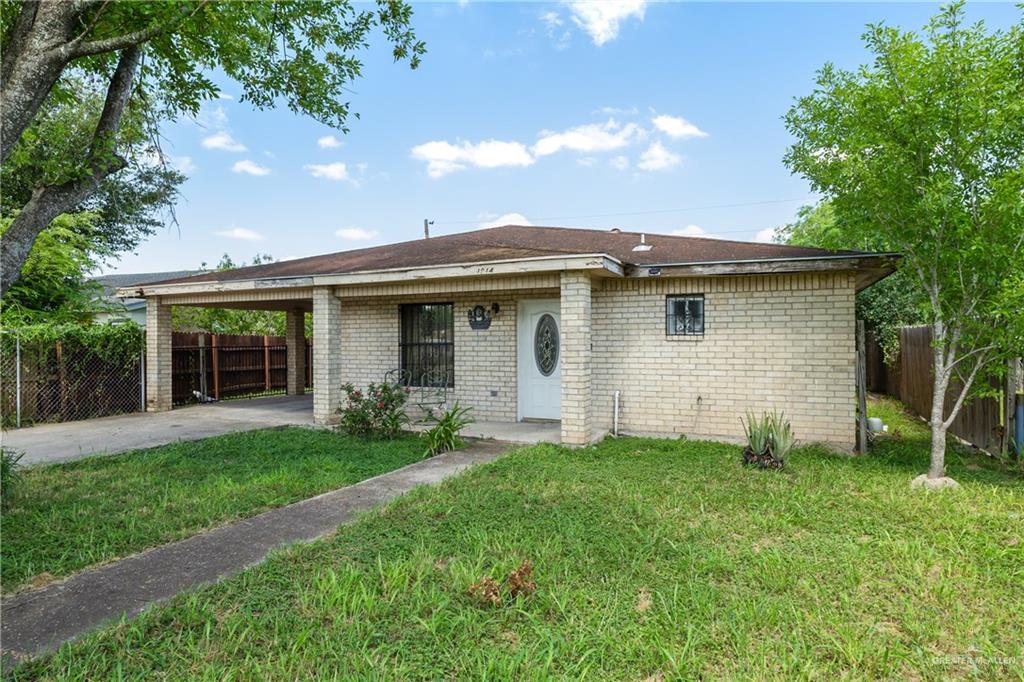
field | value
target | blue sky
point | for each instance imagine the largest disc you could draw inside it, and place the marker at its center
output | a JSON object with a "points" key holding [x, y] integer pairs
{"points": [[645, 116]]}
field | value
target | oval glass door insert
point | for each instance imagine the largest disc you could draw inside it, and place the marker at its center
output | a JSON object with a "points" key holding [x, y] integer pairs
{"points": [[545, 344]]}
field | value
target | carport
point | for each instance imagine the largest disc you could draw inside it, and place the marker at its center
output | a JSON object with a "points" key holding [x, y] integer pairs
{"points": [[294, 302]]}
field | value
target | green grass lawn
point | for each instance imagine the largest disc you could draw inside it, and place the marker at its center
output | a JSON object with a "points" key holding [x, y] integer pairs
{"points": [[65, 517], [653, 560]]}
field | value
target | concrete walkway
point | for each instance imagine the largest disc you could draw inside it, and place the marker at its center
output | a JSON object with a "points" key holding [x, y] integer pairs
{"points": [[48, 443], [40, 620]]}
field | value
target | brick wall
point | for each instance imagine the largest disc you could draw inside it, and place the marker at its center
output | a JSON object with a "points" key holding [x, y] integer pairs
{"points": [[485, 360], [781, 342]]}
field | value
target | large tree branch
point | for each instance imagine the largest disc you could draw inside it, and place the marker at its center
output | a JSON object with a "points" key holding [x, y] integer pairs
{"points": [[82, 48], [50, 201], [964, 390], [19, 35], [31, 66]]}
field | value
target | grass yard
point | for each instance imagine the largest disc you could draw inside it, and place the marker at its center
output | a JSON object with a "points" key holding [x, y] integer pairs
{"points": [[653, 560], [66, 517]]}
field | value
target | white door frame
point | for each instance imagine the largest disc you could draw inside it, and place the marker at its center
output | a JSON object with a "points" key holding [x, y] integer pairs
{"points": [[525, 362]]}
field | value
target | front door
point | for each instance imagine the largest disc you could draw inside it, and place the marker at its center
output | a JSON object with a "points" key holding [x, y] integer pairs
{"points": [[540, 360]]}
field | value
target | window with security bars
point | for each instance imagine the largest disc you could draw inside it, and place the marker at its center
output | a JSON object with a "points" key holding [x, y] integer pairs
{"points": [[684, 315], [427, 344]]}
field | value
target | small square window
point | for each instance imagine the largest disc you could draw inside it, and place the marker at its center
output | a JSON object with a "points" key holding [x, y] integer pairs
{"points": [[684, 315]]}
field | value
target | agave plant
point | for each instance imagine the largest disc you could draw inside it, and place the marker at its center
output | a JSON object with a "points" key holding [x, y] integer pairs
{"points": [[758, 432], [781, 438]]}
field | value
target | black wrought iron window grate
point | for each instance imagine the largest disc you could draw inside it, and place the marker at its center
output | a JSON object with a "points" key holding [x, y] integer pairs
{"points": [[684, 315], [427, 343]]}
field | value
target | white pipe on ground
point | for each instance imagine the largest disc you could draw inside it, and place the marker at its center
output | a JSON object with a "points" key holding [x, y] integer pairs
{"points": [[615, 414]]}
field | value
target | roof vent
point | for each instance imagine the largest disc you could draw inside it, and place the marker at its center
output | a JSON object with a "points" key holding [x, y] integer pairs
{"points": [[643, 245]]}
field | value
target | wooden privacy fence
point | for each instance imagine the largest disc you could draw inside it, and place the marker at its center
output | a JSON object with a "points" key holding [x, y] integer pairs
{"points": [[909, 378], [222, 366]]}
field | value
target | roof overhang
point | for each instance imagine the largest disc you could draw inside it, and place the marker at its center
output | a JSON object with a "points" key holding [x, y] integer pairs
{"points": [[600, 265], [869, 268]]}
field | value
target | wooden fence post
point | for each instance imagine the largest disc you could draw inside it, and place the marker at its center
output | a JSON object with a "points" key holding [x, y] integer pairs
{"points": [[862, 398], [216, 366], [266, 363]]}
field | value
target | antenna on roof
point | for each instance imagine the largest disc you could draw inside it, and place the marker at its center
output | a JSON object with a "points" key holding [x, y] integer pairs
{"points": [[426, 228]]}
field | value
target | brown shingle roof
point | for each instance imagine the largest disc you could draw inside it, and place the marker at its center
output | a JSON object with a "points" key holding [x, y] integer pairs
{"points": [[512, 242]]}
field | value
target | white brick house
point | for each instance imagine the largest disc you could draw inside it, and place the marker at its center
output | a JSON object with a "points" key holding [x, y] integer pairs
{"points": [[690, 333]]}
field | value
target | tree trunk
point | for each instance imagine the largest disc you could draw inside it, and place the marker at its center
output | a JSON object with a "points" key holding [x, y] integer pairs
{"points": [[52, 200], [940, 382], [937, 466], [32, 63]]}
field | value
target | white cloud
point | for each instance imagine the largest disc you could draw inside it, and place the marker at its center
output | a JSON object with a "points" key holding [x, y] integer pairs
{"points": [[356, 234], [619, 163], [210, 116], [589, 138], [690, 231], [677, 127], [222, 140], [444, 157], [553, 24], [329, 171], [657, 158], [587, 161], [765, 235], [551, 20], [601, 20], [506, 219], [250, 168], [618, 111], [241, 233], [328, 142], [183, 164]]}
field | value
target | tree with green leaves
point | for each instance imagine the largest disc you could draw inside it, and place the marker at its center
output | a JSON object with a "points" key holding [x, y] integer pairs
{"points": [[230, 320], [154, 60], [885, 306], [923, 149], [54, 287]]}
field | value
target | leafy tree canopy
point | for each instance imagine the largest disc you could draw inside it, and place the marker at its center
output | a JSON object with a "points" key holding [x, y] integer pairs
{"points": [[885, 306], [923, 149], [149, 62], [230, 320]]}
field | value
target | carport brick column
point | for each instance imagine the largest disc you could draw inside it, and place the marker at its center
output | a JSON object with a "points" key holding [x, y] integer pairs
{"points": [[159, 395], [295, 340], [326, 355], [576, 360]]}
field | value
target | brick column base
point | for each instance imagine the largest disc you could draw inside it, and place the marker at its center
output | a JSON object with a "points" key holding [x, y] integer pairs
{"points": [[577, 426], [326, 355]]}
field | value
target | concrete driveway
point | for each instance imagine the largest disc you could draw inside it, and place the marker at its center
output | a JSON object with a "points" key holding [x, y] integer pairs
{"points": [[71, 440]]}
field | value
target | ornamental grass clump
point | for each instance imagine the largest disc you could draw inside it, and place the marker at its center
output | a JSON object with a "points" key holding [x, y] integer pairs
{"points": [[443, 436], [10, 475], [770, 439]]}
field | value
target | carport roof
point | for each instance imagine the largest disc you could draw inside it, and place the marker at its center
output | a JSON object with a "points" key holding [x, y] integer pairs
{"points": [[518, 242]]}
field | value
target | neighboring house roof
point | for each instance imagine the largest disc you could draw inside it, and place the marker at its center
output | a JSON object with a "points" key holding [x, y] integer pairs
{"points": [[111, 283], [514, 242]]}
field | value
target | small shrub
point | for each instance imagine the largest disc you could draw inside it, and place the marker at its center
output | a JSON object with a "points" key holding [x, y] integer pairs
{"points": [[10, 475], [770, 439], [519, 583], [486, 591], [380, 411], [443, 436]]}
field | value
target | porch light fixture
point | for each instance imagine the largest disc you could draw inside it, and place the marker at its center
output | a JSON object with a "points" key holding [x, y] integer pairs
{"points": [[480, 317]]}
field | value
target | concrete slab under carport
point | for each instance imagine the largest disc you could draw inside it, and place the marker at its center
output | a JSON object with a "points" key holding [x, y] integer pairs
{"points": [[48, 443]]}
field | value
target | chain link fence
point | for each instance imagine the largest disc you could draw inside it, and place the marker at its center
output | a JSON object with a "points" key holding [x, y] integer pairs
{"points": [[83, 372], [78, 376]]}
